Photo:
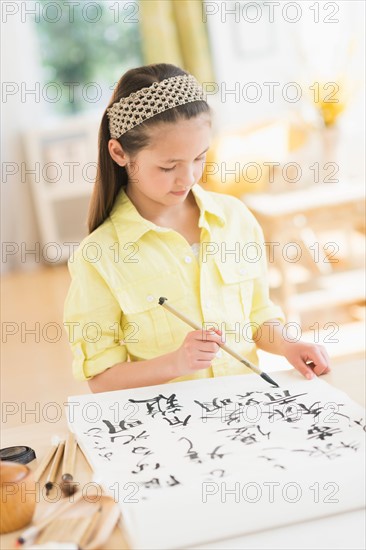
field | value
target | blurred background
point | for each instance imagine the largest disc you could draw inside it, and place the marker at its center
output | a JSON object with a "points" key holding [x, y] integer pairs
{"points": [[286, 83]]}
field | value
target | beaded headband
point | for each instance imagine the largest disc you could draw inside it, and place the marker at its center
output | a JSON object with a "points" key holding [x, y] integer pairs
{"points": [[139, 106]]}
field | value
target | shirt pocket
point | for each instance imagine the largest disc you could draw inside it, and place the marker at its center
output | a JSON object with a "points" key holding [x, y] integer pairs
{"points": [[237, 281], [147, 326]]}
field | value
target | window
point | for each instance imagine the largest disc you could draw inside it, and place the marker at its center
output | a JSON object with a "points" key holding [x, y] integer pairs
{"points": [[85, 48]]}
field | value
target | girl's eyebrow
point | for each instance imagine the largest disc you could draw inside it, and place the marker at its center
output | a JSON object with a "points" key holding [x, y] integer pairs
{"points": [[182, 160]]}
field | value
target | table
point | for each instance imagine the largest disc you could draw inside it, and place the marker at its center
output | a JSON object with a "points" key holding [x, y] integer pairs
{"points": [[343, 531], [292, 223]]}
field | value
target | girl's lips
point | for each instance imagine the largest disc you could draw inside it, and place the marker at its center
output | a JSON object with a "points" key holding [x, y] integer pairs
{"points": [[179, 193]]}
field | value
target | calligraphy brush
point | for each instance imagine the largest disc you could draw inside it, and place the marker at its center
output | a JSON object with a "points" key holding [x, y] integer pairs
{"points": [[68, 485], [162, 302], [87, 535], [28, 536], [47, 458], [54, 466]]}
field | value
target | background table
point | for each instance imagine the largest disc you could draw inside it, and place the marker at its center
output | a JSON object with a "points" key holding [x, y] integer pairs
{"points": [[301, 218]]}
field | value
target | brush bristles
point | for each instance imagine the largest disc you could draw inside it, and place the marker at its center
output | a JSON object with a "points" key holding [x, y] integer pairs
{"points": [[68, 487]]}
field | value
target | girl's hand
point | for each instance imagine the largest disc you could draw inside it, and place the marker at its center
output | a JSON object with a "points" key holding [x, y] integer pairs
{"points": [[197, 351], [307, 358]]}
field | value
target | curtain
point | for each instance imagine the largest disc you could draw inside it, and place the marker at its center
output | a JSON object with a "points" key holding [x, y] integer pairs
{"points": [[173, 31]]}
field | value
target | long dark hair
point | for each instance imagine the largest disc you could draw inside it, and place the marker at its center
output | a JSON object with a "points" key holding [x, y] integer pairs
{"points": [[110, 177]]}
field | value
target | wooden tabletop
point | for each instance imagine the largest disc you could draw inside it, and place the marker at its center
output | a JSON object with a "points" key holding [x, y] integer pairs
{"points": [[347, 375], [319, 198], [38, 436]]}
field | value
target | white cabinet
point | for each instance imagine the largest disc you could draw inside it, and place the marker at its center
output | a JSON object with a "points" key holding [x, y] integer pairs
{"points": [[60, 162]]}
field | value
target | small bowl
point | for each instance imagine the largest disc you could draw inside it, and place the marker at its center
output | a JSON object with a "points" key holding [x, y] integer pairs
{"points": [[18, 496]]}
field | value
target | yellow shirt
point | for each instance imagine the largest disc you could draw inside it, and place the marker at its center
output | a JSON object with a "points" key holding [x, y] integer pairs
{"points": [[121, 269]]}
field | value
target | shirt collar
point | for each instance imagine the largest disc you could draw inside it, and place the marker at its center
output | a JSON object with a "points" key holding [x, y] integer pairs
{"points": [[208, 206], [132, 226]]}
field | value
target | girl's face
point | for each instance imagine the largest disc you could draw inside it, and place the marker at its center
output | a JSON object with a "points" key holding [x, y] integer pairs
{"points": [[165, 171]]}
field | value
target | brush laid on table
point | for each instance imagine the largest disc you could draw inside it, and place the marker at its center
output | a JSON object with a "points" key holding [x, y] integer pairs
{"points": [[54, 466], [68, 485], [28, 536], [39, 471]]}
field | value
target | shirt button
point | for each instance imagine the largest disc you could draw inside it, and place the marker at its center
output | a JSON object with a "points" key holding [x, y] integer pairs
{"points": [[150, 298], [188, 259]]}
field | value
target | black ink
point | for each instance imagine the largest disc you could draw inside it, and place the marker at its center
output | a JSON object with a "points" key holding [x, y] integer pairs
{"points": [[191, 453], [123, 425], [321, 432], [246, 434], [214, 454]]}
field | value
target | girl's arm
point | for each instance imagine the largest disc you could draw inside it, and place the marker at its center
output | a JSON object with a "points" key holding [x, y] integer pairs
{"points": [[306, 357], [196, 353], [135, 374]]}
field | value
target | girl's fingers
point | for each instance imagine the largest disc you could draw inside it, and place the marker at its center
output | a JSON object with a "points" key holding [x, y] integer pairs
{"points": [[208, 336], [304, 369], [210, 341], [209, 347], [327, 359], [318, 362], [213, 335]]}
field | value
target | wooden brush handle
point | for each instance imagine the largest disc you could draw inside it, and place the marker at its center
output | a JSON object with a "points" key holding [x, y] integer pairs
{"points": [[69, 457], [111, 513], [56, 462], [86, 536], [61, 508], [45, 462]]}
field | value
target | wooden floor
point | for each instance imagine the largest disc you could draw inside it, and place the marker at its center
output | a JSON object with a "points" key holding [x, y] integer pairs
{"points": [[34, 370], [36, 374]]}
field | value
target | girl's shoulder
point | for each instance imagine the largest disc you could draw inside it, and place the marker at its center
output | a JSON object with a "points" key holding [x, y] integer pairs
{"points": [[94, 244]]}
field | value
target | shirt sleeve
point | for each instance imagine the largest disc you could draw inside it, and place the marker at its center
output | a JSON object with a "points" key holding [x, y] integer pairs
{"points": [[263, 309], [92, 319]]}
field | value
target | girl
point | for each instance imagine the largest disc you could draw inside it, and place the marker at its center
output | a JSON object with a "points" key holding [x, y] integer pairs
{"points": [[155, 232]]}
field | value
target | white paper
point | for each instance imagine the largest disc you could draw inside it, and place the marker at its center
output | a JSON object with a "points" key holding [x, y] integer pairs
{"points": [[202, 460]]}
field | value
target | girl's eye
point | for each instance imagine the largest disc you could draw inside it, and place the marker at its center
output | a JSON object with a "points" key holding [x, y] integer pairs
{"points": [[200, 159]]}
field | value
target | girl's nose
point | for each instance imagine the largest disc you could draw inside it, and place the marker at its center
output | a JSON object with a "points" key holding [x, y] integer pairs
{"points": [[186, 177]]}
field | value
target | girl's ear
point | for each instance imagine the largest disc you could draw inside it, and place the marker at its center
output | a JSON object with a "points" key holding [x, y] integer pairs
{"points": [[117, 153]]}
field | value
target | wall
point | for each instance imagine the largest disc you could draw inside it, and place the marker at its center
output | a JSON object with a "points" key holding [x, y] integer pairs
{"points": [[20, 65]]}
